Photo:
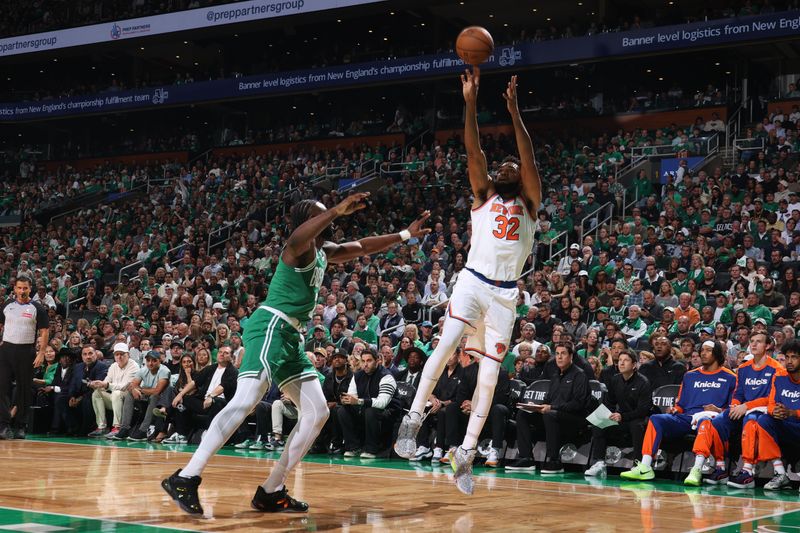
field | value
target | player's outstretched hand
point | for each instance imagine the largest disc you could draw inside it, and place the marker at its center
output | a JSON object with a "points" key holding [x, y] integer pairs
{"points": [[416, 229], [351, 204], [510, 96], [470, 81]]}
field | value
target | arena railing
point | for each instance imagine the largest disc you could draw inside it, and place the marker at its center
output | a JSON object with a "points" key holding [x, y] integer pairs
{"points": [[432, 307], [707, 145], [410, 144], [583, 231], [626, 204], [80, 292], [745, 144], [388, 331], [734, 125], [138, 264]]}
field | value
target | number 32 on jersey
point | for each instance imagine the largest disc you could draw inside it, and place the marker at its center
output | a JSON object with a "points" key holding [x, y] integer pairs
{"points": [[507, 225]]}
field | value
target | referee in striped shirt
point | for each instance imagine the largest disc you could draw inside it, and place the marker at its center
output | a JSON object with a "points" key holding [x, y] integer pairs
{"points": [[21, 319]]}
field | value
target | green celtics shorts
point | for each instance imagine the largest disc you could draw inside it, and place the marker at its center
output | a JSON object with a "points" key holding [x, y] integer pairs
{"points": [[273, 350]]}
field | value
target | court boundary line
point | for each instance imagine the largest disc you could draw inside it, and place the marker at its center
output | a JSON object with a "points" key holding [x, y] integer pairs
{"points": [[97, 519], [536, 485], [739, 522]]}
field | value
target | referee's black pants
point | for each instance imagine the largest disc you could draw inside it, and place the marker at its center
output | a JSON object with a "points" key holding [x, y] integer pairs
{"points": [[16, 363]]}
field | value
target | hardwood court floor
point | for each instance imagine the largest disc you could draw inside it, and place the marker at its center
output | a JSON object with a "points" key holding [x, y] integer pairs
{"points": [[88, 486]]}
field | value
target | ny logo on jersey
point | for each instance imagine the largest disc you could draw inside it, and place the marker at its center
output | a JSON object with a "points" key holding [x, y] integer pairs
{"points": [[510, 210], [501, 348]]}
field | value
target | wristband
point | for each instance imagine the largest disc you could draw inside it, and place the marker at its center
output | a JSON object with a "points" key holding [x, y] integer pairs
{"points": [[405, 235]]}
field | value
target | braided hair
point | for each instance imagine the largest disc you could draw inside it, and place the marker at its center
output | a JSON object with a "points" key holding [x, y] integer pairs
{"points": [[301, 212]]}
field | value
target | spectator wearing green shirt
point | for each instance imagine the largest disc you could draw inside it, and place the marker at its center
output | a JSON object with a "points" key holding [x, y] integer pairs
{"points": [[681, 283], [373, 322], [755, 310], [603, 266], [362, 331], [642, 187]]}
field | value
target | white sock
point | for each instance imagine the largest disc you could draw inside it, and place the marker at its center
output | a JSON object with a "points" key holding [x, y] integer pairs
{"points": [[248, 392], [481, 402], [747, 467], [452, 332], [647, 460], [777, 464], [699, 461], [313, 412], [721, 464]]}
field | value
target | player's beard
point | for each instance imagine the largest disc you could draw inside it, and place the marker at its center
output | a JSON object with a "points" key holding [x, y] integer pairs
{"points": [[507, 190]]}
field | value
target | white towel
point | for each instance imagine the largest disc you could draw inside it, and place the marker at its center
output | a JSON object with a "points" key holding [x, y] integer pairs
{"points": [[702, 415]]}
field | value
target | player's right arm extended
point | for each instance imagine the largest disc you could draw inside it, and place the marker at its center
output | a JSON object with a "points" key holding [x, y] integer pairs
{"points": [[476, 159], [302, 239]]}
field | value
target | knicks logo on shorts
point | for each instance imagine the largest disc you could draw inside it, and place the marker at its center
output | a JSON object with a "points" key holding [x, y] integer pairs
{"points": [[501, 348]]}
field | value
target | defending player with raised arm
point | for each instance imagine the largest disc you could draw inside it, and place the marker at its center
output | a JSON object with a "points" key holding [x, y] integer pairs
{"points": [[274, 351], [483, 303]]}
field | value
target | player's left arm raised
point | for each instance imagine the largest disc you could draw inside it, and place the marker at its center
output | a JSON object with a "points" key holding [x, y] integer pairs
{"points": [[341, 253], [531, 182]]}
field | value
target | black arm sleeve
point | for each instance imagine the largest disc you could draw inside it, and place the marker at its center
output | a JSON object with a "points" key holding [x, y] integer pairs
{"points": [[42, 318]]}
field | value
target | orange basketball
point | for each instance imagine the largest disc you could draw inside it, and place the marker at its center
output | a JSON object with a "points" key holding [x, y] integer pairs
{"points": [[474, 45]]}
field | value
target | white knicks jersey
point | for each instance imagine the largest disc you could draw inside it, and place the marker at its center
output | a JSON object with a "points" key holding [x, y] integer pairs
{"points": [[502, 238]]}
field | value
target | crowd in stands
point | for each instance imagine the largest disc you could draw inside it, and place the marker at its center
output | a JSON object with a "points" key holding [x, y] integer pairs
{"points": [[708, 255]]}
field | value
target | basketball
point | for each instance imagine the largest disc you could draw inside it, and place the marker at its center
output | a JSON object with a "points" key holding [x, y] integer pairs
{"points": [[474, 45]]}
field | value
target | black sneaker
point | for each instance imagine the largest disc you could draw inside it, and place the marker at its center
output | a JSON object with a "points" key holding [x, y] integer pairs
{"points": [[137, 435], [19, 434], [6, 433], [523, 464], [184, 492], [277, 502], [552, 467], [122, 434]]}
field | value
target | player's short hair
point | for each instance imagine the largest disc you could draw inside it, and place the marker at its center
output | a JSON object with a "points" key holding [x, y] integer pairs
{"points": [[792, 345], [770, 341], [511, 159], [23, 279]]}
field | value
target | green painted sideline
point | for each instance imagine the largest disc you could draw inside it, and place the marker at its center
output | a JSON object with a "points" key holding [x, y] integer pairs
{"points": [[11, 517], [572, 478]]}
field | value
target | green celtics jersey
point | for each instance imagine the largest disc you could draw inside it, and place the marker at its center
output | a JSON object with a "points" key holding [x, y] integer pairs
{"points": [[294, 291]]}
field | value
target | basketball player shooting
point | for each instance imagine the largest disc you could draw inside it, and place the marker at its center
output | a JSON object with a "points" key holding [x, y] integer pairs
{"points": [[483, 303]]}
